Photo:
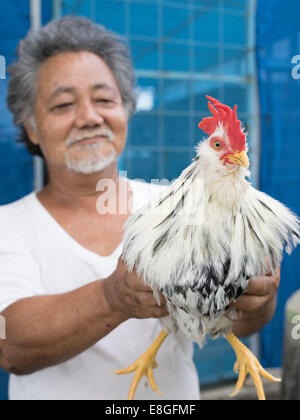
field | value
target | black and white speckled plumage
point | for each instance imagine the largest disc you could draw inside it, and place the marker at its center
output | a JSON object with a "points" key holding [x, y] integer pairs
{"points": [[236, 233]]}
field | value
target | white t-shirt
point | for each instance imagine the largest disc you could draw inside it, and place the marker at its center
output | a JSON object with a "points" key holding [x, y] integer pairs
{"points": [[38, 257]]}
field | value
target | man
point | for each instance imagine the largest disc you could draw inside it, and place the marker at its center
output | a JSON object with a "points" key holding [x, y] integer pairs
{"points": [[73, 312]]}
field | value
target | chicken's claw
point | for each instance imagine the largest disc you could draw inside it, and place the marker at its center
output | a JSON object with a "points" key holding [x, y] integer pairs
{"points": [[248, 363], [144, 366]]}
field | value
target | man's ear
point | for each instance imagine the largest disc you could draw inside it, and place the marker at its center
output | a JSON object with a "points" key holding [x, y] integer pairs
{"points": [[31, 132]]}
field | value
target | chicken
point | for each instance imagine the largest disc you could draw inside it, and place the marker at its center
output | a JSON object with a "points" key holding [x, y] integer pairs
{"points": [[201, 240]]}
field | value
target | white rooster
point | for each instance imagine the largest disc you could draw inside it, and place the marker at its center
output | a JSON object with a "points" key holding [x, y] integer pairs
{"points": [[201, 241]]}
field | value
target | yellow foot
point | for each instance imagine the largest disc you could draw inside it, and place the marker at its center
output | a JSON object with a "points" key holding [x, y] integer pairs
{"points": [[248, 363], [144, 366]]}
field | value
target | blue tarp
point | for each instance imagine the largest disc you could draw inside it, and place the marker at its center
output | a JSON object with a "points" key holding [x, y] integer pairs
{"points": [[15, 163], [16, 167], [278, 41]]}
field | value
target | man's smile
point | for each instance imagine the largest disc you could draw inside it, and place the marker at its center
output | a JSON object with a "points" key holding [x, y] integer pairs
{"points": [[91, 140], [96, 136]]}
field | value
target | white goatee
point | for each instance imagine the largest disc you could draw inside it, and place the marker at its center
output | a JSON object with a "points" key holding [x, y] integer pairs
{"points": [[92, 159]]}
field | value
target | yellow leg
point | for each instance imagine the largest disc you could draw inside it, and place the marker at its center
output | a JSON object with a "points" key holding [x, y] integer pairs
{"points": [[247, 363], [144, 366]]}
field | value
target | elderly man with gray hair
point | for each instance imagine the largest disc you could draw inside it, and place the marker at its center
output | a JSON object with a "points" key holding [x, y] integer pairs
{"points": [[73, 311]]}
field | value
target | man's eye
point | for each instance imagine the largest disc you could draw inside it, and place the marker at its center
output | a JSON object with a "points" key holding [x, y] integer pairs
{"points": [[61, 106], [106, 101]]}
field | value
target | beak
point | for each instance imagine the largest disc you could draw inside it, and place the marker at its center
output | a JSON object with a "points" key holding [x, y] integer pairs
{"points": [[239, 158]]}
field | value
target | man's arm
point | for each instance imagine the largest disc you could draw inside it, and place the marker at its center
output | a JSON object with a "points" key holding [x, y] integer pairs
{"points": [[257, 305], [43, 331]]}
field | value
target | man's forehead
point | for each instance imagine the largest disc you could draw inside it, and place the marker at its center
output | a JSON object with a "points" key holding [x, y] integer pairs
{"points": [[68, 72]]}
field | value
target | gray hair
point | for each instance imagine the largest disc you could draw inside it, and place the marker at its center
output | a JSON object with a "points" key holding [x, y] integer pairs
{"points": [[69, 34]]}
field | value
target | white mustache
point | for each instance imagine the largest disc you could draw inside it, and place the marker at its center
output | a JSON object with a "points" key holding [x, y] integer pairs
{"points": [[89, 135]]}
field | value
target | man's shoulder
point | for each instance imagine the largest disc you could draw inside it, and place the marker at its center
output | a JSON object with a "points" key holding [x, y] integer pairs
{"points": [[154, 187], [145, 191], [12, 213], [20, 224]]}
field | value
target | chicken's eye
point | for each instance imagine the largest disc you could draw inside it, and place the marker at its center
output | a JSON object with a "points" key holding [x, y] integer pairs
{"points": [[217, 143]]}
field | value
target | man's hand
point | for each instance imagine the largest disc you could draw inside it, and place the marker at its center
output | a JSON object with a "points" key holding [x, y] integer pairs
{"points": [[257, 306], [126, 293]]}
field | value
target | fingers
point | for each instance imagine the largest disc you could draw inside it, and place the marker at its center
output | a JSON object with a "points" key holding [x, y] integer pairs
{"points": [[146, 312], [260, 286], [261, 290], [250, 303], [263, 285], [133, 297], [147, 299], [276, 277], [136, 283], [131, 280], [161, 312]]}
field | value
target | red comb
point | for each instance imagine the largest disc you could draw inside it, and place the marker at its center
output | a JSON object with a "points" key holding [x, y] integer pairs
{"points": [[224, 115]]}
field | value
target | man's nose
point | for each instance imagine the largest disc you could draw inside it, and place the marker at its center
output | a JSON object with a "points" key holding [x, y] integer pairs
{"points": [[88, 116]]}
